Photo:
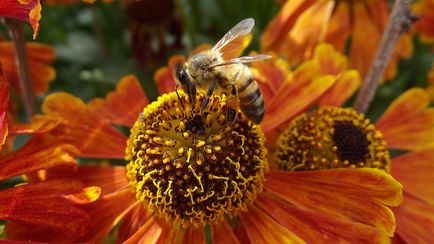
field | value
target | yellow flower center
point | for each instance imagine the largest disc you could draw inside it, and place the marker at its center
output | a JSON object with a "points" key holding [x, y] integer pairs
{"points": [[194, 166], [331, 138]]}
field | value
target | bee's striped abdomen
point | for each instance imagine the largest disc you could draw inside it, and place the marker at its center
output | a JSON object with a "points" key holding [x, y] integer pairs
{"points": [[251, 100]]}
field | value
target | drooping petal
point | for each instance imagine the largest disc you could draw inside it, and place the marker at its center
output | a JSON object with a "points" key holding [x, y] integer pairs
{"points": [[346, 84], [132, 222], [40, 57], [39, 153], [415, 170], [296, 96], [415, 219], [341, 192], [124, 105], [4, 106], [42, 204], [221, 232], [261, 228], [81, 127], [194, 235], [408, 123], [38, 125], [106, 212], [29, 11], [330, 61], [164, 76], [318, 228]]}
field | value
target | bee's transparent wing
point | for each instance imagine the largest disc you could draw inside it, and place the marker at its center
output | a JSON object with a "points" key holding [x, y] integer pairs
{"points": [[243, 60], [244, 27]]}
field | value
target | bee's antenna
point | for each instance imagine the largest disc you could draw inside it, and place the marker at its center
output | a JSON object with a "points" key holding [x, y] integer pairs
{"points": [[179, 98]]}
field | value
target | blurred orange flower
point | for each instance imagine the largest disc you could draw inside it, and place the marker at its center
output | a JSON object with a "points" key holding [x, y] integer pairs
{"points": [[40, 57], [293, 206], [356, 26], [43, 204], [25, 10], [407, 125], [66, 2], [424, 26]]}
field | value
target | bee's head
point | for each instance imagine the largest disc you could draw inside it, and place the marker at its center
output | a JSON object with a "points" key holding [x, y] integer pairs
{"points": [[183, 80]]}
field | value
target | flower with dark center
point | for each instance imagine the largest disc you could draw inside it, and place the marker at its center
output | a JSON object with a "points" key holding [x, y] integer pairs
{"points": [[331, 137], [194, 166]]}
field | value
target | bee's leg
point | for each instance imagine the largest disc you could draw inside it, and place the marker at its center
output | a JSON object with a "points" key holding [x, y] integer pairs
{"points": [[231, 112], [179, 98], [208, 94]]}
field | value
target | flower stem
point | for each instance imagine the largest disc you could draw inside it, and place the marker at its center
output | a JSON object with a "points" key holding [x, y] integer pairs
{"points": [[16, 31], [399, 22]]}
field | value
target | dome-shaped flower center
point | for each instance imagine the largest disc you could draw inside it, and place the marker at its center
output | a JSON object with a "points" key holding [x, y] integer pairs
{"points": [[194, 166], [331, 138]]}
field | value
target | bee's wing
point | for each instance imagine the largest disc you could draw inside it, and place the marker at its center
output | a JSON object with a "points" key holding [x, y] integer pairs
{"points": [[243, 60], [242, 28]]}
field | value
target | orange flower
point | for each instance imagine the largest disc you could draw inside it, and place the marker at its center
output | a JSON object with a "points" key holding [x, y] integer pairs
{"points": [[407, 125], [25, 10], [40, 57], [424, 9], [274, 206], [67, 2], [44, 204], [302, 24]]}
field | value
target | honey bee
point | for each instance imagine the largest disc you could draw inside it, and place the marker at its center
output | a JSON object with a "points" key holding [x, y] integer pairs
{"points": [[208, 71]]}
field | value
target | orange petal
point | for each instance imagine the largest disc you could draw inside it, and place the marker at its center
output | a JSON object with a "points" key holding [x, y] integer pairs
{"points": [[221, 232], [330, 61], [276, 31], [124, 105], [262, 228], [106, 212], [339, 26], [318, 228], [309, 29], [408, 123], [38, 125], [40, 56], [194, 235], [29, 11], [149, 232], [132, 222], [42, 204], [270, 75], [4, 107], [82, 128], [28, 233], [346, 84], [87, 195], [424, 9], [415, 171], [415, 219], [39, 153], [296, 96], [340, 192]]}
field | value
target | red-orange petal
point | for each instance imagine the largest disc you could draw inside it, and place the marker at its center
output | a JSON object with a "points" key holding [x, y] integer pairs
{"points": [[221, 232], [124, 105], [132, 222], [149, 232], [4, 106], [296, 95], [39, 153], [415, 220], [29, 11], [42, 204], [40, 56], [415, 170], [407, 122], [106, 212], [338, 193], [38, 125], [262, 228], [81, 127], [318, 228], [346, 84], [164, 76]]}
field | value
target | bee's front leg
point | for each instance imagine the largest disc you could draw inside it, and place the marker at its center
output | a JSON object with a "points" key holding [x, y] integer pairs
{"points": [[231, 112], [208, 94]]}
